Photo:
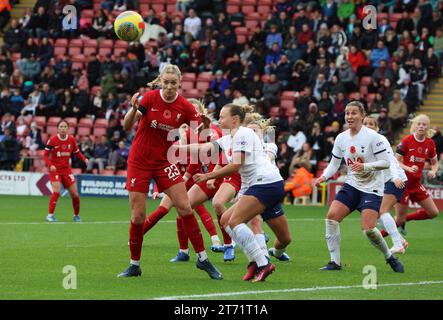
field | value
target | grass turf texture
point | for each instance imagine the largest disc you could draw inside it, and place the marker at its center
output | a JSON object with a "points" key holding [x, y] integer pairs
{"points": [[33, 254]]}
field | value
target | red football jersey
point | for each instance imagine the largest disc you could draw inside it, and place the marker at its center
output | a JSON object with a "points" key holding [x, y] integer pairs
{"points": [[153, 138], [416, 153], [58, 153]]}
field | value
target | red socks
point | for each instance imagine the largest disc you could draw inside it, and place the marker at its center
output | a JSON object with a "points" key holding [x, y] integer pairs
{"points": [[192, 229], [226, 238], [153, 218], [53, 202], [181, 234], [206, 219], [135, 240], [76, 205], [420, 214]]}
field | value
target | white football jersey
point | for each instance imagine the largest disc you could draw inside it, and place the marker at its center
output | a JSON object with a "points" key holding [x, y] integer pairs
{"points": [[394, 166], [271, 148], [364, 148], [257, 169]]}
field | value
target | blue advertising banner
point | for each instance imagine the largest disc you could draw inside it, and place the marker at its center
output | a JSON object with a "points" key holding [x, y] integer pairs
{"points": [[101, 186]]}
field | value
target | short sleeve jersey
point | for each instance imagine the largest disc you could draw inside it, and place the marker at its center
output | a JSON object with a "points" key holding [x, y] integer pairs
{"points": [[416, 153], [60, 152], [158, 129], [362, 147]]}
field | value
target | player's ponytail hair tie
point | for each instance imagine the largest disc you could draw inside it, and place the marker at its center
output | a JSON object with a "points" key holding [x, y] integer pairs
{"points": [[169, 68], [430, 132]]}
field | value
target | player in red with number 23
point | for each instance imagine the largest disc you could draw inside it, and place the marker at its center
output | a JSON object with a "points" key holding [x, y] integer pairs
{"points": [[58, 153]]}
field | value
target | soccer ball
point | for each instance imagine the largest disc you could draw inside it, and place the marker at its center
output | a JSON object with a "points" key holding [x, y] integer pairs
{"points": [[129, 26]]}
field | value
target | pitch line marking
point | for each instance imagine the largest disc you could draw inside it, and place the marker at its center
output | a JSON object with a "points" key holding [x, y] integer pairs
{"points": [[240, 293]]}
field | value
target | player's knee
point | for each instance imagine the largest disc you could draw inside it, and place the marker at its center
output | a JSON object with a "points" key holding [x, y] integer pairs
{"points": [[184, 210], [224, 220], [333, 215], [137, 219], [433, 213], [218, 207]]}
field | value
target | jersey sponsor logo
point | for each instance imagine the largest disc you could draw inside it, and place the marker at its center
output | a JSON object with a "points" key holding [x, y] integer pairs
{"points": [[63, 154], [350, 161]]}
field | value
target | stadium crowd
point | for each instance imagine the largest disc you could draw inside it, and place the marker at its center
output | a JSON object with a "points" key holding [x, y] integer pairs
{"points": [[298, 61]]}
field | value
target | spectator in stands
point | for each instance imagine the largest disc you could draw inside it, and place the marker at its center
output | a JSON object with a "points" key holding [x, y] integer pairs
{"points": [[259, 36], [64, 80], [118, 158], [305, 36], [29, 68], [378, 54], [305, 155], [65, 61], [192, 23], [274, 37], [17, 102], [108, 84], [405, 23], [297, 137], [320, 85], [79, 102], [300, 181], [15, 37], [29, 48], [47, 103], [272, 58], [110, 105], [239, 98], [86, 147], [385, 125], [347, 77], [272, 90], [7, 123], [93, 70], [44, 53], [100, 155], [48, 76], [381, 73], [31, 103], [398, 111], [304, 101], [391, 41], [338, 111], [438, 140], [317, 140], [227, 41], [6, 62], [39, 23], [419, 76], [219, 83], [17, 80], [9, 151], [55, 24], [312, 117]]}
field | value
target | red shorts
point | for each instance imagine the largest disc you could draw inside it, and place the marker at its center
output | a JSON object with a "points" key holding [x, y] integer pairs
{"points": [[415, 195], [65, 179], [189, 183], [234, 180], [139, 180], [210, 193]]}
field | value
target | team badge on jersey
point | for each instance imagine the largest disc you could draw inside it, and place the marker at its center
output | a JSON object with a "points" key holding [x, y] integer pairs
{"points": [[133, 182], [178, 117]]}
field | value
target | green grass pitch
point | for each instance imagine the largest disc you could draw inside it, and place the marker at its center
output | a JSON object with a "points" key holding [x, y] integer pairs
{"points": [[34, 253]]}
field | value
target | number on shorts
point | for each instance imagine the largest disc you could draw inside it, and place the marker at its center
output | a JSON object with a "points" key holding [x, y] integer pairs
{"points": [[172, 172]]}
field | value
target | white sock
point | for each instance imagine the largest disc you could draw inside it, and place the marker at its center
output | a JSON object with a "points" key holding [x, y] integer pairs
{"points": [[391, 228], [50, 214], [377, 241], [135, 262], [185, 251], [260, 237], [333, 239], [202, 256], [245, 238], [232, 235], [215, 240]]}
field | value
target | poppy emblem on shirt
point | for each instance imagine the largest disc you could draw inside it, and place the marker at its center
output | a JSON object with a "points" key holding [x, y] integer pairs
{"points": [[167, 114], [420, 150], [352, 149], [64, 147]]}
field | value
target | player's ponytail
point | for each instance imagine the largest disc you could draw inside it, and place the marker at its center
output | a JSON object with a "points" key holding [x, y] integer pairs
{"points": [[169, 68], [240, 111], [429, 132]]}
